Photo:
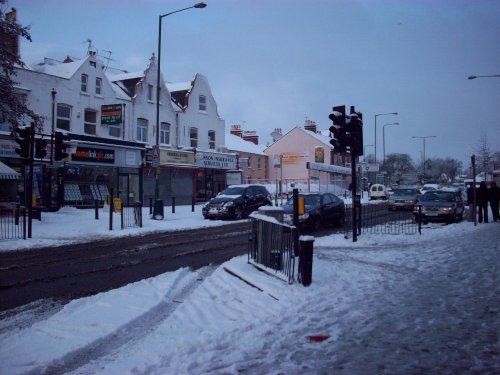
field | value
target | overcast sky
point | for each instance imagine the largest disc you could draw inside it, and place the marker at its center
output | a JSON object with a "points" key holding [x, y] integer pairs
{"points": [[272, 64]]}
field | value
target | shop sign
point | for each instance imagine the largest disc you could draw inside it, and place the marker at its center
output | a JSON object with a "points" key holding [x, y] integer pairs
{"points": [[7, 148], [111, 114], [93, 155], [329, 168], [176, 157], [293, 157], [215, 160]]}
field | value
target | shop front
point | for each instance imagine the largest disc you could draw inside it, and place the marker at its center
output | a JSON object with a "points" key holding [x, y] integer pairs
{"points": [[211, 173], [94, 170], [175, 178]]}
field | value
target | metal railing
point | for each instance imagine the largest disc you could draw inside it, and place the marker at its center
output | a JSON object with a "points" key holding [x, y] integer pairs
{"points": [[131, 215], [378, 219], [271, 247], [12, 222]]}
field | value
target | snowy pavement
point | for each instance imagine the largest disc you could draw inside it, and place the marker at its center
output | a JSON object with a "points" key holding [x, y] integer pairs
{"points": [[393, 304]]}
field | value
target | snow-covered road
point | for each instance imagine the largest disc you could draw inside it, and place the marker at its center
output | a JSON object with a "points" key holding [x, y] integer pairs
{"points": [[401, 304]]}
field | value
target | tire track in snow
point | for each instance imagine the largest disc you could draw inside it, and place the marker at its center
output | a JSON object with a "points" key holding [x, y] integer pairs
{"points": [[133, 331]]}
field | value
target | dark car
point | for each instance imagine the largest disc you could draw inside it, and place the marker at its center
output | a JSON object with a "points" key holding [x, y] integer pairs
{"points": [[321, 210], [403, 198], [236, 202], [440, 205]]}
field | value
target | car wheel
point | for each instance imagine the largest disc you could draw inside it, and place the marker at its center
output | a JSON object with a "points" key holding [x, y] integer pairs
{"points": [[238, 213]]}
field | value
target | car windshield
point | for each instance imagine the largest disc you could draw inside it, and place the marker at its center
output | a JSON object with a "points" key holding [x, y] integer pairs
{"points": [[309, 200], [404, 192], [233, 191], [438, 196]]}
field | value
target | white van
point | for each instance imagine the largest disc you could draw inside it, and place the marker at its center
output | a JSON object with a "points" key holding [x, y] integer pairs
{"points": [[377, 191]]}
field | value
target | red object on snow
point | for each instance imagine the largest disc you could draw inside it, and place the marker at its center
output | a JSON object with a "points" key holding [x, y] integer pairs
{"points": [[318, 338]]}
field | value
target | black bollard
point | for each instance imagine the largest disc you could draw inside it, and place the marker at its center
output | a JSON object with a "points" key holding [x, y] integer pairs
{"points": [[306, 260]]}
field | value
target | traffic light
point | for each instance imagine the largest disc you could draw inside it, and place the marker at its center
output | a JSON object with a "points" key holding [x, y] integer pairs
{"points": [[23, 138], [40, 148], [60, 146], [338, 129], [356, 130]]}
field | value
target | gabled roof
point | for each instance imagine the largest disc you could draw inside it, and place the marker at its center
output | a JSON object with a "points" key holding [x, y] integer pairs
{"points": [[321, 138], [179, 93]]}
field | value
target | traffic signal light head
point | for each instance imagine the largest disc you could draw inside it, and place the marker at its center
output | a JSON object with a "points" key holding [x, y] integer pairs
{"points": [[23, 139], [338, 130], [40, 148], [356, 131], [60, 146]]}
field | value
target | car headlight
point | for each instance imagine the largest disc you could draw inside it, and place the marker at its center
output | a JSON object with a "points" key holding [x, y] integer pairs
{"points": [[447, 210], [228, 204], [304, 217]]}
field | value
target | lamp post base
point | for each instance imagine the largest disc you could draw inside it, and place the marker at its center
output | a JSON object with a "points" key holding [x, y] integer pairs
{"points": [[158, 210]]}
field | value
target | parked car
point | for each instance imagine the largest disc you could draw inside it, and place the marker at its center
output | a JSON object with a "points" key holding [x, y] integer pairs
{"points": [[236, 202], [320, 210], [440, 205], [403, 198], [378, 191]]}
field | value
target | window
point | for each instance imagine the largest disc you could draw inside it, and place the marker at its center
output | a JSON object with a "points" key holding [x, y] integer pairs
{"points": [[202, 103], [150, 92], [258, 163], [90, 120], [114, 130], [85, 83], [165, 133], [211, 139], [193, 136], [142, 130], [98, 86], [63, 116]]}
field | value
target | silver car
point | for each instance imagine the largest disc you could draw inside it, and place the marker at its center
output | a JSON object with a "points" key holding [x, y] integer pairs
{"points": [[403, 199]]}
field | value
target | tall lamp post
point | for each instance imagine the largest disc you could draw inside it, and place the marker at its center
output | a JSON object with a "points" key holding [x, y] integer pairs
{"points": [[383, 137], [380, 114], [158, 206], [423, 141]]}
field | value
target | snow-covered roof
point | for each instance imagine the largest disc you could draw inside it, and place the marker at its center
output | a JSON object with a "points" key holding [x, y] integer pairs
{"points": [[179, 86], [57, 68], [235, 143], [124, 76]]}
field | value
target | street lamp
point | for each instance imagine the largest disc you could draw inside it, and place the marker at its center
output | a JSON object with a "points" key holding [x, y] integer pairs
{"points": [[474, 77], [158, 206], [423, 140], [380, 114], [383, 136]]}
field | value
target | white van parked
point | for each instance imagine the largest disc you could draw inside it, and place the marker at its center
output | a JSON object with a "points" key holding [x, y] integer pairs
{"points": [[377, 191]]}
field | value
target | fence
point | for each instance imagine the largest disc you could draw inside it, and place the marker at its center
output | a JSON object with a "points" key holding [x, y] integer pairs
{"points": [[12, 222], [131, 215], [378, 219], [271, 246]]}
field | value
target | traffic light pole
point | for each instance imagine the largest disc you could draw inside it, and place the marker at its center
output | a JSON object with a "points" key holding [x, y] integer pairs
{"points": [[354, 196], [29, 198]]}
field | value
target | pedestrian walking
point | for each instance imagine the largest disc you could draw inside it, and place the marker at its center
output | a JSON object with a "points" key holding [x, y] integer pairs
{"points": [[470, 202], [493, 197], [482, 202]]}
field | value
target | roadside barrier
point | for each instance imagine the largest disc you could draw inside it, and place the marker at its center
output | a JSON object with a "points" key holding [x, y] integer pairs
{"points": [[131, 215], [13, 222]]}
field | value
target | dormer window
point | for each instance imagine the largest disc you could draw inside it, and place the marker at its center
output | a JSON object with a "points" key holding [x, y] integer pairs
{"points": [[150, 92], [202, 103], [98, 86]]}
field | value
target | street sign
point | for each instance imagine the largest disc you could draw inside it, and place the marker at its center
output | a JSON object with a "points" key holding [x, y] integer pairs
{"points": [[156, 156]]}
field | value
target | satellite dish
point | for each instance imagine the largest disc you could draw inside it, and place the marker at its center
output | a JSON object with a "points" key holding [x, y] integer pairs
{"points": [[276, 136]]}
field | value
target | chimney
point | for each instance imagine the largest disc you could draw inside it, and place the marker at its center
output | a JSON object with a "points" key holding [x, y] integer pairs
{"points": [[251, 136], [10, 42], [310, 125], [236, 130]]}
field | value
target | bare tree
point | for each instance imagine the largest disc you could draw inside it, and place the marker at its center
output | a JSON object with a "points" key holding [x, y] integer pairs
{"points": [[485, 157]]}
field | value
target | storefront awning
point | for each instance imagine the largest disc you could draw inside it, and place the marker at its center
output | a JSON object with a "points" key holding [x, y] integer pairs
{"points": [[7, 173]]}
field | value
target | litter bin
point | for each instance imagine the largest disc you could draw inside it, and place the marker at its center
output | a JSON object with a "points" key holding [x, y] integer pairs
{"points": [[305, 259]]}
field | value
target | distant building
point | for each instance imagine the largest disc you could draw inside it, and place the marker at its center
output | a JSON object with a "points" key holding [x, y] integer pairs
{"points": [[251, 158], [306, 159]]}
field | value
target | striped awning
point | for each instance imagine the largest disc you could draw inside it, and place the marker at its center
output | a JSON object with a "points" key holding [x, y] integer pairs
{"points": [[7, 173]]}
